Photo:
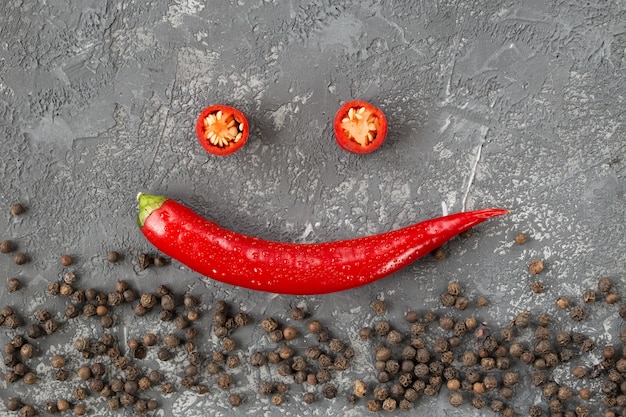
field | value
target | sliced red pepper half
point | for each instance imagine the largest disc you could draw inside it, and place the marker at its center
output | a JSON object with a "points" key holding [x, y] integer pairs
{"points": [[360, 127], [222, 129]]}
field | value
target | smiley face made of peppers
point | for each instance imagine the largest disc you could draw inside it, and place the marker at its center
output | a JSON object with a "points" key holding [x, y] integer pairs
{"points": [[286, 267]]}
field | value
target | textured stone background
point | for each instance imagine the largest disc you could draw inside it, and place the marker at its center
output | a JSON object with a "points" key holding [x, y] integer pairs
{"points": [[490, 103]]}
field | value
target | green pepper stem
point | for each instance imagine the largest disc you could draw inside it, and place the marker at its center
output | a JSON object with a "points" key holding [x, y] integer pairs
{"points": [[147, 204]]}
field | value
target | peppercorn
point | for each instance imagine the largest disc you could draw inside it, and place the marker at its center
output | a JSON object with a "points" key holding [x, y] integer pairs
{"points": [[96, 385], [182, 322], [29, 378], [171, 341], [314, 327], [584, 394], [611, 298], [379, 307], [448, 356], [12, 321], [84, 373], [268, 324], [461, 303], [27, 351], [27, 411], [6, 246], [394, 337], [168, 302], [381, 393], [456, 399], [277, 399], [286, 351], [232, 362], [66, 290], [193, 315], [477, 403], [131, 387], [126, 399], [447, 299], [131, 373], [54, 288], [609, 352], [155, 376], [149, 339], [373, 406], [577, 313], [542, 333], [258, 359], [140, 352], [389, 404], [61, 375], [329, 391], [224, 381], [605, 285], [20, 259], [167, 315], [57, 361], [520, 238], [13, 284], [71, 311], [20, 369], [143, 260], [265, 388], [446, 323], [588, 345], [148, 300], [106, 321], [164, 355], [79, 393], [121, 362], [129, 296], [273, 357], [535, 267]]}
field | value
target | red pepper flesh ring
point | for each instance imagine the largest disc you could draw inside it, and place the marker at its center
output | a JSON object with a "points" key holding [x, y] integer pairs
{"points": [[360, 127], [221, 129], [292, 268]]}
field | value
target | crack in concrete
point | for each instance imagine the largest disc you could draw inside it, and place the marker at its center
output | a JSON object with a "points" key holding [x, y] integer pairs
{"points": [[472, 175]]}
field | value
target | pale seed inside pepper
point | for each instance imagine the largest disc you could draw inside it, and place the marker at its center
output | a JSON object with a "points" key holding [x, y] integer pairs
{"points": [[360, 125], [222, 129]]}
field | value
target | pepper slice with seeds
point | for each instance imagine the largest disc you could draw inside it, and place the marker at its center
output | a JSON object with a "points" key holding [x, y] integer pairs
{"points": [[222, 129], [360, 127]]}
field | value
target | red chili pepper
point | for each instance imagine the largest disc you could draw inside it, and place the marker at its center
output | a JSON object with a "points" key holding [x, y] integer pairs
{"points": [[292, 268], [221, 129], [360, 127]]}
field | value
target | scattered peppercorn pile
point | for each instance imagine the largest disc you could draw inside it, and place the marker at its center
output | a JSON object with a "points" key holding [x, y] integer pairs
{"points": [[448, 351], [483, 367]]}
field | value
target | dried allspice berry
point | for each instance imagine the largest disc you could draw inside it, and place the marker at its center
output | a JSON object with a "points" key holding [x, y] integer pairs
{"points": [[536, 267], [269, 325], [447, 300], [224, 381], [605, 285], [13, 284], [20, 258], [143, 260], [379, 307], [577, 313], [168, 302], [148, 300], [6, 246]]}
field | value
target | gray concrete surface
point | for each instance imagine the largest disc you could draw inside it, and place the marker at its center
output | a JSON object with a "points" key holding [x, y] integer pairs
{"points": [[490, 103]]}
